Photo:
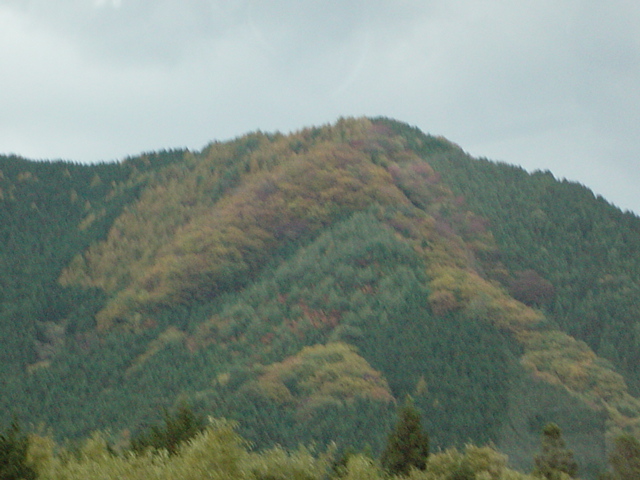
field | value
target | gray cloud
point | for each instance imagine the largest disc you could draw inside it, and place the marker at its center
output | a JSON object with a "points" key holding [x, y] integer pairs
{"points": [[545, 84]]}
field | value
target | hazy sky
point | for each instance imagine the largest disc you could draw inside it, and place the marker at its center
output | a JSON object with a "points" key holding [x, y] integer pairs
{"points": [[546, 84]]}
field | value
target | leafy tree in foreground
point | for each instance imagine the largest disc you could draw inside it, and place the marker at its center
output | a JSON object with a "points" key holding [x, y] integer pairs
{"points": [[13, 455], [625, 458], [177, 429], [555, 461], [408, 445]]}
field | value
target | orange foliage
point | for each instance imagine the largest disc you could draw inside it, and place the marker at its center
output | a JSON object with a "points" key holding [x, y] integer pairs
{"points": [[216, 247]]}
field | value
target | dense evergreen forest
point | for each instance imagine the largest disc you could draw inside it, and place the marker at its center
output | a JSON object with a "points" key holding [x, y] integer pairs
{"points": [[303, 285]]}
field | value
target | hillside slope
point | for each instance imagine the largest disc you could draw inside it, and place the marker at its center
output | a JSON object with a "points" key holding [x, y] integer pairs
{"points": [[303, 284]]}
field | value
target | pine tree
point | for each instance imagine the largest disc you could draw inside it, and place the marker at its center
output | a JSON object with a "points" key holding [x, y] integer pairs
{"points": [[407, 446], [555, 461], [177, 429], [13, 455]]}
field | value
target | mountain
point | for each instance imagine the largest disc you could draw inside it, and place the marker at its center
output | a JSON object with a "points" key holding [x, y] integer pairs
{"points": [[304, 284]]}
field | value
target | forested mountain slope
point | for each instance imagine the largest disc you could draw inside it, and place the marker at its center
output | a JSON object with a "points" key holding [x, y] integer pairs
{"points": [[303, 284]]}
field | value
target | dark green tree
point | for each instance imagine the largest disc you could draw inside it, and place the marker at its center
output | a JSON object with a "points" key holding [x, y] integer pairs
{"points": [[13, 455], [175, 430], [408, 445], [555, 459], [625, 458]]}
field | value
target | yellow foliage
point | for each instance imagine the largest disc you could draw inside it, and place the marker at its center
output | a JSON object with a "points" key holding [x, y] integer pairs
{"points": [[42, 364], [174, 245], [27, 176], [96, 181], [456, 286], [463, 289], [331, 373], [180, 242], [279, 464], [170, 335], [564, 360], [87, 221], [218, 453], [41, 455], [361, 467], [482, 463]]}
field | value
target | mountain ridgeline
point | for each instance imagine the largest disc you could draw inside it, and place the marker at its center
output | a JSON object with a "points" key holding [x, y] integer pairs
{"points": [[304, 284]]}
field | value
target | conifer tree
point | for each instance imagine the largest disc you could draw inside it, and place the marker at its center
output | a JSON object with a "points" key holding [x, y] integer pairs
{"points": [[555, 460], [177, 429], [13, 455], [408, 445]]}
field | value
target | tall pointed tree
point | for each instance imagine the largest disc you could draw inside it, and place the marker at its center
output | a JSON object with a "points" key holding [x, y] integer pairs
{"points": [[13, 455], [408, 445], [555, 460], [177, 429]]}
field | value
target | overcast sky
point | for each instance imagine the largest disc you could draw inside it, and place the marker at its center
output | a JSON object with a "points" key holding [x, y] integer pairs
{"points": [[546, 84]]}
